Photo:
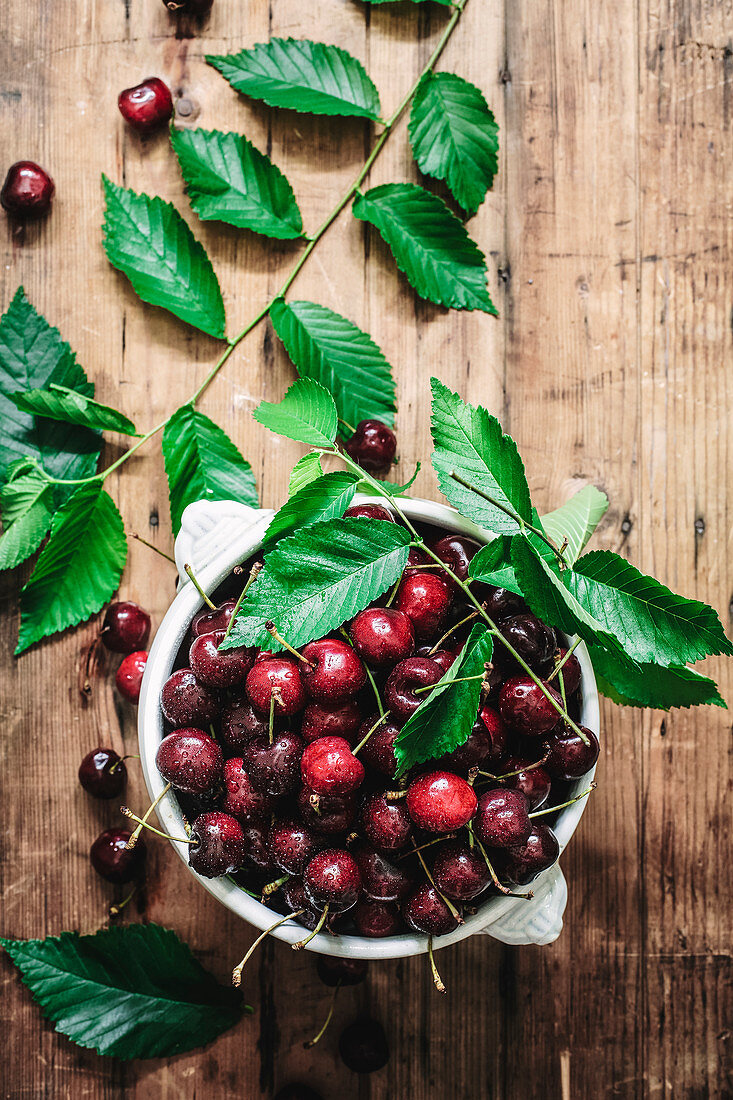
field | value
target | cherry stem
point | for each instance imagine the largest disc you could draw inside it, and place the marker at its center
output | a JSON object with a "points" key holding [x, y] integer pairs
{"points": [[495, 878], [433, 968], [452, 630], [128, 756], [161, 553], [273, 886], [428, 844], [393, 796], [393, 593], [116, 908], [370, 677], [518, 771], [453, 911], [346, 424], [253, 574], [199, 589], [151, 829], [567, 656], [286, 645], [563, 805], [312, 1042], [237, 972], [274, 696], [382, 718], [304, 943], [134, 838], [457, 680]]}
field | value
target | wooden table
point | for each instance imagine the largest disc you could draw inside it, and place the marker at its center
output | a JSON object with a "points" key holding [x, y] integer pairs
{"points": [[609, 234]]}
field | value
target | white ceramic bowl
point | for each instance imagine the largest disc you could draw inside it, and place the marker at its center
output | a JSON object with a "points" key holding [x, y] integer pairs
{"points": [[216, 536]]}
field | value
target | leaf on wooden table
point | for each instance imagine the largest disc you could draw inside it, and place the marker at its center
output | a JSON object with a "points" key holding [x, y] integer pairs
{"points": [[26, 501], [307, 414], [644, 684], [70, 407]]}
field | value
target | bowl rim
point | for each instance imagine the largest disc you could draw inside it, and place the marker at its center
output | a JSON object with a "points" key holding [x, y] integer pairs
{"points": [[166, 644]]}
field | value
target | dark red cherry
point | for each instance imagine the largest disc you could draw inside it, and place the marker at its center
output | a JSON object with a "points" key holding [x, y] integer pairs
{"points": [[241, 799], [571, 672], [376, 919], [102, 773], [425, 598], [258, 856], [293, 896], [240, 722], [342, 720], [369, 511], [146, 106], [280, 675], [385, 822], [274, 768], [501, 604], [208, 621], [425, 911], [363, 1046], [334, 672], [327, 814], [373, 445], [186, 702], [442, 657], [328, 766], [334, 971], [460, 872], [399, 691], [129, 676], [534, 784], [219, 668], [456, 551], [570, 757], [520, 864], [332, 878], [417, 558], [378, 752], [382, 880], [113, 860], [190, 761], [126, 627], [473, 753], [533, 640], [27, 191], [492, 722], [502, 818], [525, 707], [382, 636], [441, 802], [189, 7], [219, 846], [291, 846]]}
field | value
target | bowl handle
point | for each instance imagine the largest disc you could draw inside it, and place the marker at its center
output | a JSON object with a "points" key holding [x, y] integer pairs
{"points": [[209, 527], [536, 921]]}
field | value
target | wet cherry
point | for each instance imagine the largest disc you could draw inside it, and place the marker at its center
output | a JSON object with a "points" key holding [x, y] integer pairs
{"points": [[425, 911], [415, 672], [425, 598], [186, 702], [240, 722], [274, 768], [441, 802], [241, 799], [570, 757], [326, 813], [292, 845], [386, 822], [113, 860], [502, 819], [373, 445], [519, 865], [129, 676], [278, 675], [126, 627], [460, 872], [328, 766], [334, 672], [208, 621], [382, 636], [332, 878], [190, 761], [369, 511], [525, 707], [219, 846], [102, 773], [375, 919], [320, 720], [219, 668]]}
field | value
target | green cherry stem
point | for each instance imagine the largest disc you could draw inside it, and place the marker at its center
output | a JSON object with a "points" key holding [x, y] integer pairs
{"points": [[437, 980], [253, 574], [456, 626], [495, 878], [237, 972], [453, 911], [144, 820], [370, 677], [382, 718], [567, 656], [519, 771], [563, 805], [192, 577], [312, 1042], [161, 553], [458, 680], [304, 943]]}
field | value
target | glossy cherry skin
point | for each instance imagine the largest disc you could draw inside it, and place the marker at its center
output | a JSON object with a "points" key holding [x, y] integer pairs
{"points": [[126, 627], [113, 860], [570, 757], [502, 819], [385, 822], [382, 636], [219, 846], [332, 878], [373, 445], [327, 814], [258, 857], [363, 1046], [97, 776], [473, 753], [334, 672], [441, 802], [191, 761], [375, 919], [27, 191], [534, 784], [208, 621], [240, 722], [526, 709], [186, 702], [369, 511], [425, 911], [378, 752], [292, 845], [280, 675], [519, 865], [241, 798], [129, 676], [425, 598], [456, 551], [443, 657], [501, 604], [328, 766], [342, 720], [381, 879], [492, 722], [219, 668], [460, 872], [147, 106], [417, 558], [293, 896], [274, 768], [531, 638], [334, 971], [571, 672], [399, 690]]}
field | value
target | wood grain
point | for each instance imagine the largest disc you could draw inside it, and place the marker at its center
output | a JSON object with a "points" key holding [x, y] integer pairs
{"points": [[610, 239]]}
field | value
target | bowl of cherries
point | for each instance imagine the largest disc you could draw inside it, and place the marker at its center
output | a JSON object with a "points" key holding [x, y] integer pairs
{"points": [[275, 774]]}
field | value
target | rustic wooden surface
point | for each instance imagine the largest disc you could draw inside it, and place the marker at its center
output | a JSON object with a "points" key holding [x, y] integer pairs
{"points": [[609, 233]]}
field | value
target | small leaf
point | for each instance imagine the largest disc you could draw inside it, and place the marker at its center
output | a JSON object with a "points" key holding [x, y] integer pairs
{"points": [[202, 463], [326, 498], [70, 407], [648, 685], [229, 180], [470, 442], [446, 718], [454, 136], [429, 244], [79, 567], [305, 470], [307, 414], [310, 77], [132, 992], [391, 487], [26, 502], [492, 565], [576, 520], [148, 240], [325, 346], [319, 578]]}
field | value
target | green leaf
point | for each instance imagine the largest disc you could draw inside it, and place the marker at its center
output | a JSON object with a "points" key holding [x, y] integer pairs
{"points": [[304, 76], [446, 718], [61, 403], [325, 346], [576, 520], [33, 356], [648, 685], [202, 463], [429, 244], [653, 623], [148, 240], [392, 488], [132, 992], [328, 497], [305, 470], [307, 413], [454, 136], [470, 442], [229, 180], [492, 565], [79, 567], [318, 578], [26, 501]]}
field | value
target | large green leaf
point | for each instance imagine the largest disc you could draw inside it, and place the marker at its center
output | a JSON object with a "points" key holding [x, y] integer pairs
{"points": [[653, 623], [650, 685], [307, 414], [320, 577], [470, 442], [33, 356], [576, 520], [132, 992], [492, 564], [79, 567], [310, 77], [454, 136], [306, 469], [27, 502], [148, 240], [70, 407], [229, 180], [325, 346], [327, 497], [429, 244], [202, 463], [446, 718]]}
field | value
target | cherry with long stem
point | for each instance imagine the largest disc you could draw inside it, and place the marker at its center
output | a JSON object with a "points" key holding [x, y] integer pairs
{"points": [[312, 1042], [304, 943], [192, 577], [253, 574], [563, 805], [144, 819], [451, 907], [237, 972]]}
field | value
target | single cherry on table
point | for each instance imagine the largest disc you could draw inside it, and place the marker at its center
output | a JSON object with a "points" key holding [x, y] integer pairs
{"points": [[126, 627], [102, 773], [27, 191], [147, 106], [113, 860], [129, 676]]}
